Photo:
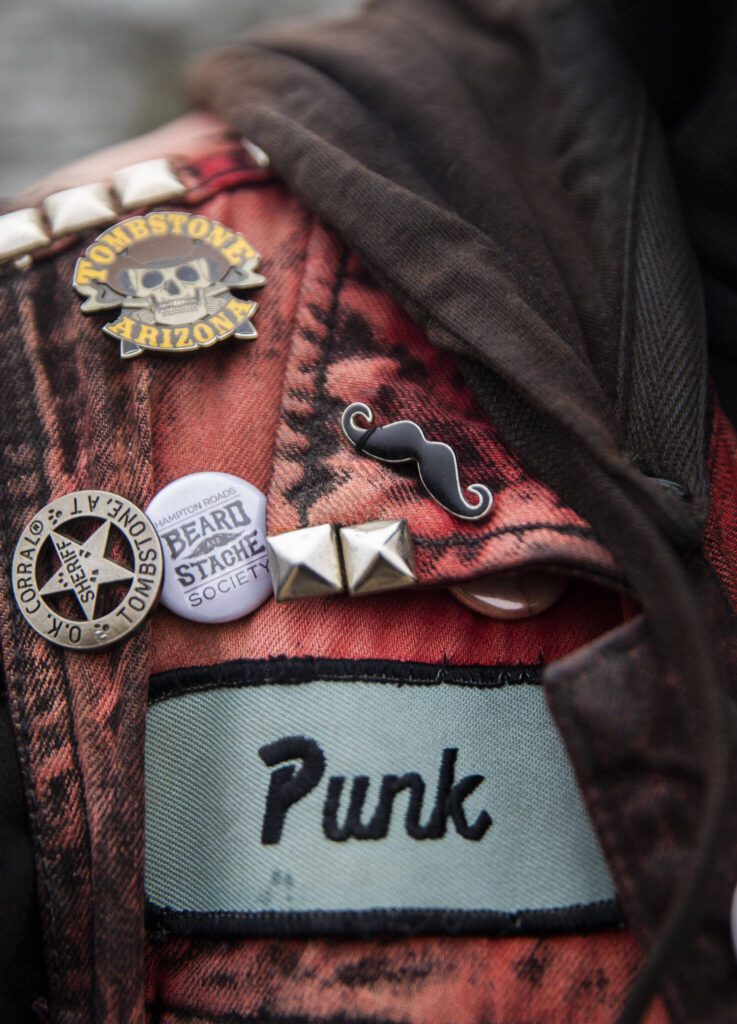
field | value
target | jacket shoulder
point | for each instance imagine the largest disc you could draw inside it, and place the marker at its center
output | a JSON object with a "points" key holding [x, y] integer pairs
{"points": [[185, 161]]}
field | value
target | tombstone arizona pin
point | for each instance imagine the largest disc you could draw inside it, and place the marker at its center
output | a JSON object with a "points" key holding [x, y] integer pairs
{"points": [[87, 570], [173, 275]]}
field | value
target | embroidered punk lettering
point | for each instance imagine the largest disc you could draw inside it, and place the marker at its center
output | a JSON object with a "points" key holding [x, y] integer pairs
{"points": [[344, 811]]}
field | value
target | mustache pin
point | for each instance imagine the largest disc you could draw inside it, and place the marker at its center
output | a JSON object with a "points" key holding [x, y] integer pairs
{"points": [[404, 441]]}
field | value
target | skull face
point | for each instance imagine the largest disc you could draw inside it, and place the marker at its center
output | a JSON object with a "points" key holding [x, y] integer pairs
{"points": [[176, 295]]}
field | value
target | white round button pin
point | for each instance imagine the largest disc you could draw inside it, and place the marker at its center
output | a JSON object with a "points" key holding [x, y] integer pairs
{"points": [[212, 528]]}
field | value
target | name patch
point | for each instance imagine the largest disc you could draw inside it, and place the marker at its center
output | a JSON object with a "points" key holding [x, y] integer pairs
{"points": [[397, 802]]}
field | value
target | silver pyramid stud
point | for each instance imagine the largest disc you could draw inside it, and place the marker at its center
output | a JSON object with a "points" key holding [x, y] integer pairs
{"points": [[378, 556], [76, 209], [21, 232], [305, 563], [151, 181]]}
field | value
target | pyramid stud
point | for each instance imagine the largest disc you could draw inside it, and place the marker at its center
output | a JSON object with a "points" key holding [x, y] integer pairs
{"points": [[305, 563], [76, 209], [21, 231], [152, 181], [378, 556]]}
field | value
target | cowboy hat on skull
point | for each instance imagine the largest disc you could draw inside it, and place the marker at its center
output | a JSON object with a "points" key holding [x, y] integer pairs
{"points": [[169, 275]]}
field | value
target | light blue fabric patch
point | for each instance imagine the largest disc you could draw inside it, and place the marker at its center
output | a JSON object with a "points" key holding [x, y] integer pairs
{"points": [[463, 800]]}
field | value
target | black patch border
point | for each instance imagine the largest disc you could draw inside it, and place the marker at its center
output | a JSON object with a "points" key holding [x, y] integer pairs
{"points": [[162, 921], [365, 924], [271, 671]]}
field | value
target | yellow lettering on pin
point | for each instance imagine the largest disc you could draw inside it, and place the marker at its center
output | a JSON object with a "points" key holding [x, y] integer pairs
{"points": [[173, 275]]}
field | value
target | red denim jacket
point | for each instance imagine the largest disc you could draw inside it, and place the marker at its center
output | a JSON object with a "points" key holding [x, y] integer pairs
{"points": [[76, 416]]}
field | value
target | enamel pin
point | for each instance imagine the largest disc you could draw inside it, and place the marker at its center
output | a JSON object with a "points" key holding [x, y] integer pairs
{"points": [[87, 570], [173, 275], [212, 528], [404, 441]]}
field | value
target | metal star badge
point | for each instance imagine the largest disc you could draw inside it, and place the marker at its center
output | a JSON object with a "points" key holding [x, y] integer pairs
{"points": [[173, 275], [51, 564], [84, 569]]}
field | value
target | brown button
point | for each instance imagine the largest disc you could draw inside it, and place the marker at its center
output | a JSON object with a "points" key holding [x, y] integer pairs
{"points": [[513, 595]]}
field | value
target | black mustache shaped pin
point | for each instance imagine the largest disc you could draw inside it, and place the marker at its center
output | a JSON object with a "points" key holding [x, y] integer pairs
{"points": [[404, 441]]}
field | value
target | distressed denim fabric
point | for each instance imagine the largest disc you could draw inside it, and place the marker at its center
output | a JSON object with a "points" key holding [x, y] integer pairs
{"points": [[77, 417], [571, 979]]}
